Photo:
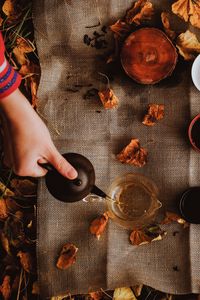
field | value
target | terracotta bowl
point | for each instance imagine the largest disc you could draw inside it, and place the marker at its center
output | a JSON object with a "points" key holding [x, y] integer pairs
{"points": [[148, 56]]}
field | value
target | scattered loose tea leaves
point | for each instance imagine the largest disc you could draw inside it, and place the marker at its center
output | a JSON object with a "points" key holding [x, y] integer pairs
{"points": [[173, 217], [166, 24], [67, 256], [26, 261], [188, 45], [97, 41], [108, 98], [5, 288], [188, 10], [141, 12], [98, 225], [155, 113], [145, 235], [133, 154], [124, 293], [175, 268]]}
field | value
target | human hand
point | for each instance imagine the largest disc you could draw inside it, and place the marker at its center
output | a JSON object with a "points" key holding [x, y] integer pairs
{"points": [[27, 141]]}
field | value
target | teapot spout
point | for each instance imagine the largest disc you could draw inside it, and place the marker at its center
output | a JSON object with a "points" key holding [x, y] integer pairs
{"points": [[97, 191], [96, 194]]}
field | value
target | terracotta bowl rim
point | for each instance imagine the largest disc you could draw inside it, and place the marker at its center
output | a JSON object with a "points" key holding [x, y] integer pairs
{"points": [[197, 117]]}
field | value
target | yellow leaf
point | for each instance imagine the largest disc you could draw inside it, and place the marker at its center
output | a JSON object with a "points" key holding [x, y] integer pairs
{"points": [[5, 191], [124, 293]]}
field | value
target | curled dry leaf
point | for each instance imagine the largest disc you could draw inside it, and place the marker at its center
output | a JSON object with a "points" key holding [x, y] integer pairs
{"points": [[5, 288], [23, 46], [26, 261], [146, 235], [67, 256], [188, 45], [133, 154], [23, 187], [98, 225], [172, 217], [120, 28], [166, 24], [3, 209], [96, 295], [124, 293], [10, 9], [188, 10], [137, 289], [141, 12], [155, 113], [35, 288], [108, 98], [5, 243], [5, 191]]}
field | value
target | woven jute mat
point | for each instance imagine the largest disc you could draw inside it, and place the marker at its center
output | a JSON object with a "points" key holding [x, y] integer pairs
{"points": [[83, 126]]}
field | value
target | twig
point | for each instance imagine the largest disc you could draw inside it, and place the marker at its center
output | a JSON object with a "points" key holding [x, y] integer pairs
{"points": [[20, 283], [106, 294]]}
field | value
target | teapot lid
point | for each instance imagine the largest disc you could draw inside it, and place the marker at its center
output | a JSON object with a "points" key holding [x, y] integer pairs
{"points": [[67, 190]]}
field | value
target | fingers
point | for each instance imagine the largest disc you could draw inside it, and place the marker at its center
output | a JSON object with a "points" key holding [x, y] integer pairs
{"points": [[62, 165]]}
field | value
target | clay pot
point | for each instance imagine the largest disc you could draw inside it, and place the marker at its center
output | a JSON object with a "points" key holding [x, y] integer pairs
{"points": [[148, 56]]}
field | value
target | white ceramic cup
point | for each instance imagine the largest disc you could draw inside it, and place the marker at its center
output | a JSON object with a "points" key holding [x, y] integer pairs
{"points": [[195, 72]]}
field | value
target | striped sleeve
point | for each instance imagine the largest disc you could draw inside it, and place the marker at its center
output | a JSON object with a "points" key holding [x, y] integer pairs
{"points": [[9, 78]]}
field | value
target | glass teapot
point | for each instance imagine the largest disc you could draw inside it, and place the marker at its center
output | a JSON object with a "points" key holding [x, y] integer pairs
{"points": [[132, 199]]}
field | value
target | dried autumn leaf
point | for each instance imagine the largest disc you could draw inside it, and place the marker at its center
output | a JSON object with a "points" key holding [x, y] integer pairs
{"points": [[26, 261], [5, 243], [146, 235], [124, 293], [29, 69], [5, 191], [133, 154], [98, 225], [108, 98], [9, 8], [188, 10], [188, 45], [173, 217], [35, 288], [96, 295], [141, 12], [3, 209], [155, 113], [120, 28], [67, 256], [137, 289], [23, 46], [23, 187], [166, 24], [14, 230], [34, 87], [5, 288]]}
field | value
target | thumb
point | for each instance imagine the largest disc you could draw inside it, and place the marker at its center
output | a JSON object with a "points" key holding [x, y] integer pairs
{"points": [[62, 165]]}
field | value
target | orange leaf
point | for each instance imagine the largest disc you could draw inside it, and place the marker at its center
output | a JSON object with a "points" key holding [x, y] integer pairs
{"points": [[67, 256], [120, 28], [5, 288], [145, 235], [98, 225], [155, 113], [141, 11], [22, 47], [3, 209], [166, 24], [96, 295], [133, 154], [188, 10], [173, 217], [26, 261], [108, 98]]}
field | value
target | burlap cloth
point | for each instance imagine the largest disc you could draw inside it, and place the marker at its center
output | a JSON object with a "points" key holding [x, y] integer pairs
{"points": [[77, 125]]}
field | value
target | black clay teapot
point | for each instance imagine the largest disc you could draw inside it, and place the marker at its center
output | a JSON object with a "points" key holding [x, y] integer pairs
{"points": [[67, 190]]}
